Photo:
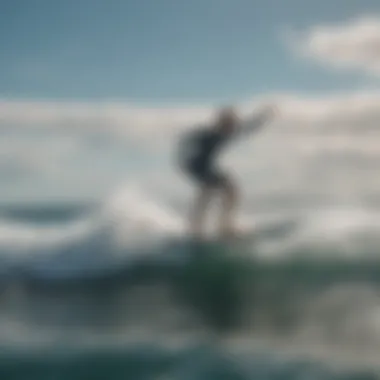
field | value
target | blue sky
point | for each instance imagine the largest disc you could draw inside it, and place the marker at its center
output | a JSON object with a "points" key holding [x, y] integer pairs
{"points": [[162, 50], [72, 73]]}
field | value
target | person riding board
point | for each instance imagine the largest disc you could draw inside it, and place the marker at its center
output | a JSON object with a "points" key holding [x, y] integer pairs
{"points": [[198, 154]]}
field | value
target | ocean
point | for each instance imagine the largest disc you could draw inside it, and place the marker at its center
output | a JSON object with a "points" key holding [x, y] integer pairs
{"points": [[114, 291]]}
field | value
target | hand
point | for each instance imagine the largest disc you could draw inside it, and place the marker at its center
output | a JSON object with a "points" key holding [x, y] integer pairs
{"points": [[269, 112], [260, 118]]}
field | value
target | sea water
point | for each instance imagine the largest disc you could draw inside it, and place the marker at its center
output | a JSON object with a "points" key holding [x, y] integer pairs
{"points": [[106, 292]]}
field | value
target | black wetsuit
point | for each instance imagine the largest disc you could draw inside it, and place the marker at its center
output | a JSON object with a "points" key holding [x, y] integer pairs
{"points": [[198, 157], [200, 149]]}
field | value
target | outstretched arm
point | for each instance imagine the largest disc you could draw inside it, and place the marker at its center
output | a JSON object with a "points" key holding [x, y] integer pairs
{"points": [[257, 121]]}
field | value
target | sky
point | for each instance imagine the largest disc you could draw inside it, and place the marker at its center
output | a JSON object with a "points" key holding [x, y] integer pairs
{"points": [[93, 91], [163, 50]]}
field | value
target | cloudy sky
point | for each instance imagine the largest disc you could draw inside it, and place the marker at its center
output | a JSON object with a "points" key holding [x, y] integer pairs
{"points": [[92, 92]]}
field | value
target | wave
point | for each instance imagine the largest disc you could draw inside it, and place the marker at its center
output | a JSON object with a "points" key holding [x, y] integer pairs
{"points": [[313, 275], [131, 227]]}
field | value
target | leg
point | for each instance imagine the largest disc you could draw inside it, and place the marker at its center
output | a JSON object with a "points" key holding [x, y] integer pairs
{"points": [[229, 207], [199, 211]]}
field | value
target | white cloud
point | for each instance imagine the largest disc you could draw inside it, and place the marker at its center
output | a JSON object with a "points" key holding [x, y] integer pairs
{"points": [[347, 111], [355, 112], [345, 121], [311, 132], [352, 45], [117, 118]]}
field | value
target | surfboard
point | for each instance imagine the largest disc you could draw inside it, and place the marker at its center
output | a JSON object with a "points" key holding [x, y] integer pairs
{"points": [[263, 230], [244, 238], [248, 239], [240, 237], [189, 248]]}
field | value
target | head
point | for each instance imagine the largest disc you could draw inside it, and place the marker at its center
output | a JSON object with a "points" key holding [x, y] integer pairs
{"points": [[227, 120]]}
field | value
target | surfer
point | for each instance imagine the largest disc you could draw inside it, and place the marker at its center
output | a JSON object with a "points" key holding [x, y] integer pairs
{"points": [[198, 155]]}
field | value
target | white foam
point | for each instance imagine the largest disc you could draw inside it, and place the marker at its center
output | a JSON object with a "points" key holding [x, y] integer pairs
{"points": [[132, 222]]}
